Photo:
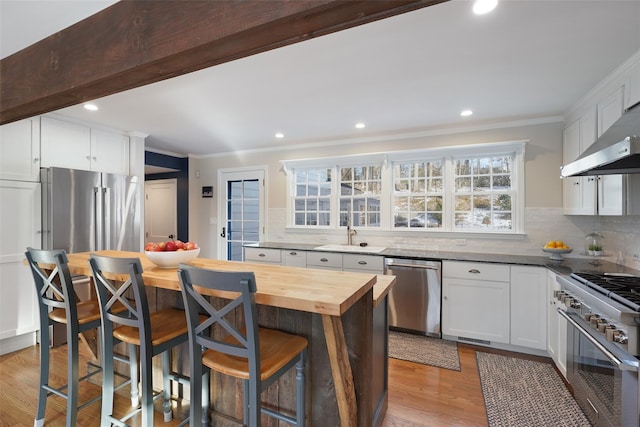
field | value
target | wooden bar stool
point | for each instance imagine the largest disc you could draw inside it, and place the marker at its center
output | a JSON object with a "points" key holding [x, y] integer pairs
{"points": [[257, 356], [154, 333], [58, 303]]}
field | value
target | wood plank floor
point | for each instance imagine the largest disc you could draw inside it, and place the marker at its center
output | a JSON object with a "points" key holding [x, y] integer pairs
{"points": [[419, 395]]}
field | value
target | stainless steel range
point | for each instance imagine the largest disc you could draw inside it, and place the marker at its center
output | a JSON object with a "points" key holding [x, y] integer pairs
{"points": [[603, 345]]}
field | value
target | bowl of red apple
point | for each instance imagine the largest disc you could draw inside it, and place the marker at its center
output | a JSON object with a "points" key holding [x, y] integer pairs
{"points": [[171, 253]]}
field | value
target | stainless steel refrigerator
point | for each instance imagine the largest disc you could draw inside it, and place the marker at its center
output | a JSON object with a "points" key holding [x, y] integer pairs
{"points": [[86, 211]]}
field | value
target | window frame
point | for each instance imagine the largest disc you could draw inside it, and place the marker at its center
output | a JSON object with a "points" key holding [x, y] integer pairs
{"points": [[516, 149]]}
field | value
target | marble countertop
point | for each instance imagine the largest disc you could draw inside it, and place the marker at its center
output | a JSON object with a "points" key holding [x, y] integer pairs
{"points": [[565, 267]]}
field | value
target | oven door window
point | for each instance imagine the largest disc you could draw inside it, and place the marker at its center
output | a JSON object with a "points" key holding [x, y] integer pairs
{"points": [[599, 377]]}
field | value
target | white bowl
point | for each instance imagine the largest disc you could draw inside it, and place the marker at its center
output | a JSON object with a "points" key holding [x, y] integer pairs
{"points": [[172, 259]]}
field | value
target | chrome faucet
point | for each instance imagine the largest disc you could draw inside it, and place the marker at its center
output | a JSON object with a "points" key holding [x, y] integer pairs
{"points": [[350, 233]]}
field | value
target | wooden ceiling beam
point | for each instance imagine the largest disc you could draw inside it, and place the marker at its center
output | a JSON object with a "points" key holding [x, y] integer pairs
{"points": [[134, 43]]}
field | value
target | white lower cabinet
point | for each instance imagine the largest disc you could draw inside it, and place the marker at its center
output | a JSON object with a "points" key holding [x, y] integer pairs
{"points": [[263, 255], [529, 307], [294, 258], [20, 228], [475, 309], [495, 304], [556, 326], [324, 260]]}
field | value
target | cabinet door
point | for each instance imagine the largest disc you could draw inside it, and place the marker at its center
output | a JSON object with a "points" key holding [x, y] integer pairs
{"points": [[294, 258], [20, 150], [632, 95], [476, 309], [20, 224], [552, 317], [109, 152], [65, 145], [529, 307], [262, 255], [611, 188]]}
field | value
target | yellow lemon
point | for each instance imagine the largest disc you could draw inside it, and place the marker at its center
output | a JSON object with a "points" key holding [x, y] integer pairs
{"points": [[559, 243]]}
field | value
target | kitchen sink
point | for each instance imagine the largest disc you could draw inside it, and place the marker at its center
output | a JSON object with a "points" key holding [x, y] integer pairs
{"points": [[351, 248]]}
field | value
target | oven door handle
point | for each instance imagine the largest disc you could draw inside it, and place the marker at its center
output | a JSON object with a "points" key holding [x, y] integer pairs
{"points": [[622, 365]]}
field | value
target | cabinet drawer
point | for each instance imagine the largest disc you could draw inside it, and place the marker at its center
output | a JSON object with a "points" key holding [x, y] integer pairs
{"points": [[262, 255], [294, 258], [476, 271], [363, 262], [324, 259]]}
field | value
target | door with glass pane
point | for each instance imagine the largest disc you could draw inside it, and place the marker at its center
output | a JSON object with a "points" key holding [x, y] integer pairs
{"points": [[243, 206]]}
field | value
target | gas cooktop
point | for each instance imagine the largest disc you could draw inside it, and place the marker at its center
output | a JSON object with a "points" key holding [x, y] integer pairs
{"points": [[624, 289]]}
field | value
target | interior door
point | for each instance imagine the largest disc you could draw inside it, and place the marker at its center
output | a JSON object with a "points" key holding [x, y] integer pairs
{"points": [[160, 210], [242, 208]]}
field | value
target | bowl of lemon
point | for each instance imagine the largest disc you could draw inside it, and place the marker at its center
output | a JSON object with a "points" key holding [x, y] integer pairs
{"points": [[556, 248]]}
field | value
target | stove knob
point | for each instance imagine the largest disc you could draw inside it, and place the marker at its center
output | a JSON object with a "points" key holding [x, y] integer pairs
{"points": [[594, 320], [560, 295], [602, 324], [576, 304], [620, 337]]}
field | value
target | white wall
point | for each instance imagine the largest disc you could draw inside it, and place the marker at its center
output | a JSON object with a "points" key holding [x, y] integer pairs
{"points": [[543, 215]]}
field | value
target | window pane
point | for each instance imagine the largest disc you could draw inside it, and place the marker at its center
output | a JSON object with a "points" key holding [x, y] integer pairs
{"points": [[463, 167], [502, 202], [312, 218], [463, 184], [481, 183], [299, 204], [323, 218], [299, 220], [325, 189], [400, 220], [502, 221], [463, 203], [402, 185], [481, 203], [301, 190], [502, 182], [434, 204], [463, 220]]}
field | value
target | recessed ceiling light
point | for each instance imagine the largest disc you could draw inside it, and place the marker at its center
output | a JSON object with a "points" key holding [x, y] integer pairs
{"points": [[466, 113], [360, 125], [91, 107], [480, 7], [279, 135]]}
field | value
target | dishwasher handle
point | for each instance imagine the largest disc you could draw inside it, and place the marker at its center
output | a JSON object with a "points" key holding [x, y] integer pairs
{"points": [[425, 267]]}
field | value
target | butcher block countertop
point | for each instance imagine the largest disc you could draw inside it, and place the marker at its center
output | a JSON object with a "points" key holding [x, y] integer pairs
{"points": [[316, 291]]}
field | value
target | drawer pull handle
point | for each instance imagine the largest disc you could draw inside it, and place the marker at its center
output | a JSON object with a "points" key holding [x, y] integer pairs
{"points": [[262, 255], [474, 271], [324, 260], [362, 262], [293, 253]]}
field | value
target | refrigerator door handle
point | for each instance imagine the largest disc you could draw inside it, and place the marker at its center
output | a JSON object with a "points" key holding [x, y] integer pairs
{"points": [[107, 218], [99, 213]]}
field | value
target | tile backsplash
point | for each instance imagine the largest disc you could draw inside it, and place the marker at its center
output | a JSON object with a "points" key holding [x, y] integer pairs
{"points": [[621, 236]]}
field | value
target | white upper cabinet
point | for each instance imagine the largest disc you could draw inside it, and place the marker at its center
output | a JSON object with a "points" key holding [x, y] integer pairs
{"points": [[20, 150], [109, 152], [632, 95], [611, 188], [604, 194], [579, 192], [75, 146]]}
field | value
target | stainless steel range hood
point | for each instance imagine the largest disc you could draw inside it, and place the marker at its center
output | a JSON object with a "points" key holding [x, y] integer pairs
{"points": [[617, 151]]}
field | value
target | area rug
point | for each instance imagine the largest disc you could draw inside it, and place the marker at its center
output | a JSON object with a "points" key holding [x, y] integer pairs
{"points": [[425, 350], [525, 393]]}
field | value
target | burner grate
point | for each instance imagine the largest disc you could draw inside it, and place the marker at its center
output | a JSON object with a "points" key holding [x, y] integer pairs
{"points": [[623, 289]]}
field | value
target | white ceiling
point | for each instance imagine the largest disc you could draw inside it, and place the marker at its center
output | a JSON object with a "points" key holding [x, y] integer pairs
{"points": [[412, 72]]}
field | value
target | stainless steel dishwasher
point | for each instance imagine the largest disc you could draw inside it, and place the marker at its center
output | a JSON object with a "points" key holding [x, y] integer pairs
{"points": [[415, 299]]}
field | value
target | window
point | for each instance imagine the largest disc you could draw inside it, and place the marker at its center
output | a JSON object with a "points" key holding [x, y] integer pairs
{"points": [[464, 189], [483, 193], [418, 194], [312, 200], [360, 191]]}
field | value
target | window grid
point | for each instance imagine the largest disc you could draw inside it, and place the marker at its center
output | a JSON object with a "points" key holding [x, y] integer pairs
{"points": [[312, 200], [360, 196], [418, 194], [483, 193]]}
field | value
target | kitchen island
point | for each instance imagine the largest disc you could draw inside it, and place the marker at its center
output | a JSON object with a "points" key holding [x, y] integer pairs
{"points": [[334, 310]]}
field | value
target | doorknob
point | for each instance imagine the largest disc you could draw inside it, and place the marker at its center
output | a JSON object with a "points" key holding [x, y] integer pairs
{"points": [[224, 232]]}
